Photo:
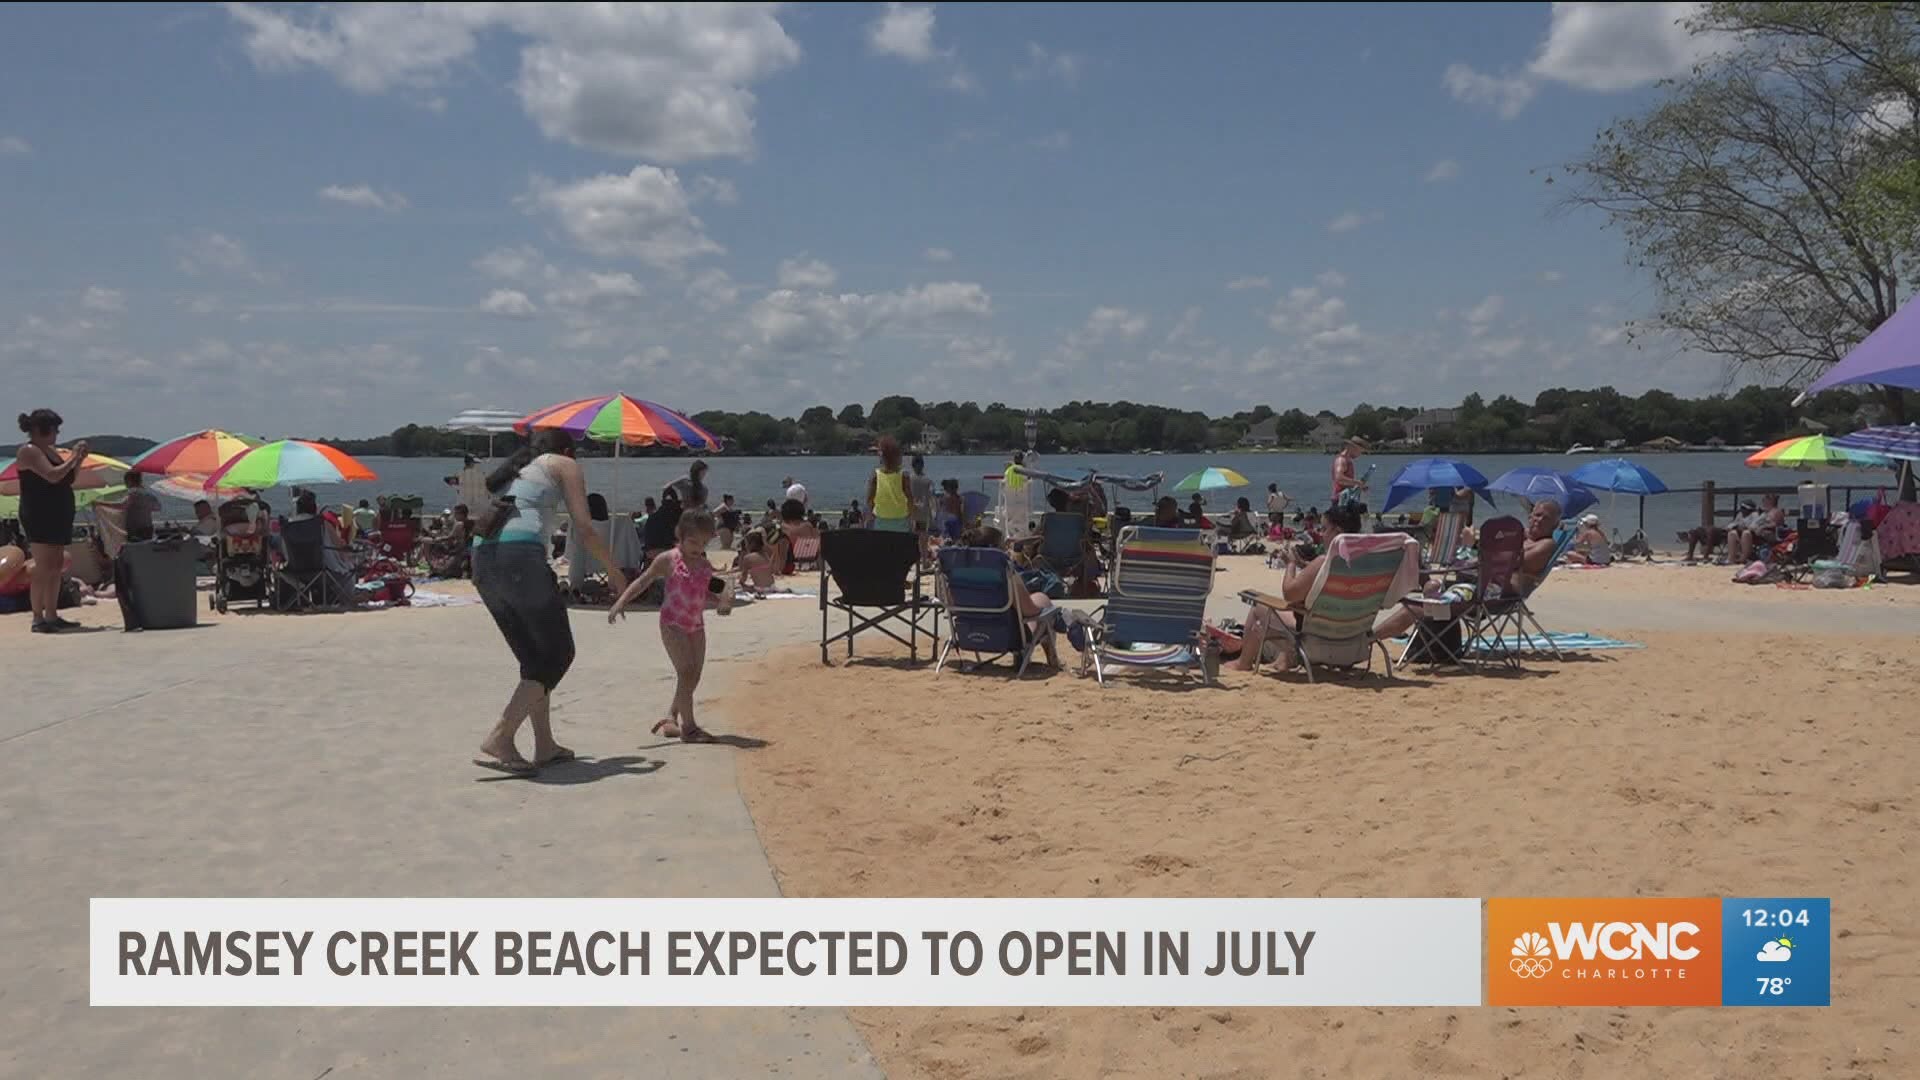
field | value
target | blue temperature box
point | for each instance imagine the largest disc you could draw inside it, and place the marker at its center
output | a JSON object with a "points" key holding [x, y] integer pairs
{"points": [[1778, 950]]}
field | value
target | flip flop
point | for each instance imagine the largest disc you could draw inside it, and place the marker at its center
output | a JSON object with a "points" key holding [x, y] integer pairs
{"points": [[696, 735], [511, 768], [562, 754], [661, 729]]}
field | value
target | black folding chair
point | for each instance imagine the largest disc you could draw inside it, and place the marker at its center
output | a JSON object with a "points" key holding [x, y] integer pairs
{"points": [[304, 583], [878, 572]]}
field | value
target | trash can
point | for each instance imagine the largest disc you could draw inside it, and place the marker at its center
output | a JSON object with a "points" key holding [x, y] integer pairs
{"points": [[160, 577]]}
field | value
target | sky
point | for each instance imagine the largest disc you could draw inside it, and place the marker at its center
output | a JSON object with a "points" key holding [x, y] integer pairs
{"points": [[338, 219]]}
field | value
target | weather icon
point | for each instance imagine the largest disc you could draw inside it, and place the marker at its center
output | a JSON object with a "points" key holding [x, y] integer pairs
{"points": [[1778, 951]]}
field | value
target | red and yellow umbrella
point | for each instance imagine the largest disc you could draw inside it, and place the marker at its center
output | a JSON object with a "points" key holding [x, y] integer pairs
{"points": [[617, 418], [98, 471], [200, 454]]}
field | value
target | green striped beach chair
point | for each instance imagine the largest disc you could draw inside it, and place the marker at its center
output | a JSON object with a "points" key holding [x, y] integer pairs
{"points": [[1155, 614], [1359, 576]]}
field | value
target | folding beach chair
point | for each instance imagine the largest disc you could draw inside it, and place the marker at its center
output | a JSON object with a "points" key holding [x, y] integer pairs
{"points": [[1155, 614], [1063, 542], [878, 572], [980, 592], [1443, 546], [1334, 628], [305, 582], [806, 553]]}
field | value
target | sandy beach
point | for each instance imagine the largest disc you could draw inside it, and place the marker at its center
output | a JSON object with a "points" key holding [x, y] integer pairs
{"points": [[1707, 763]]}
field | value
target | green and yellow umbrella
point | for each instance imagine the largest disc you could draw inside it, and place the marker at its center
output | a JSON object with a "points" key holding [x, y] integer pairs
{"points": [[1814, 452], [286, 463], [98, 471]]}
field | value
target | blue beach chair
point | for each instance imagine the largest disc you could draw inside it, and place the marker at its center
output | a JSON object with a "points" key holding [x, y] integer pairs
{"points": [[1155, 614], [981, 594]]}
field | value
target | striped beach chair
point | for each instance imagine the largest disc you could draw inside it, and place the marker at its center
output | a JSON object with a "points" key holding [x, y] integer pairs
{"points": [[1359, 576], [1155, 614]]}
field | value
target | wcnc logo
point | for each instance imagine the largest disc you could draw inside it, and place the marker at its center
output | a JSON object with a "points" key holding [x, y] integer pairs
{"points": [[1586, 951]]}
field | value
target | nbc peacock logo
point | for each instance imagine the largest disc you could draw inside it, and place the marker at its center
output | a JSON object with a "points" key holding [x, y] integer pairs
{"points": [[1532, 956]]}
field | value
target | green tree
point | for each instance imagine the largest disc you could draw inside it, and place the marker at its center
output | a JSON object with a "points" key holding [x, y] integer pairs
{"points": [[853, 416], [1757, 192]]}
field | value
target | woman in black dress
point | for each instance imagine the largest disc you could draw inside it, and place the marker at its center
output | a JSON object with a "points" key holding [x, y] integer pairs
{"points": [[46, 512]]}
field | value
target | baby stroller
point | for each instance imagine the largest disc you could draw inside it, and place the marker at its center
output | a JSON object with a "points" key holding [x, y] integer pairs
{"points": [[241, 571]]}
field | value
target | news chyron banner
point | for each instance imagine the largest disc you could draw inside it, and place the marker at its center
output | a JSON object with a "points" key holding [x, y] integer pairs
{"points": [[785, 952], [1659, 951], [1528, 951]]}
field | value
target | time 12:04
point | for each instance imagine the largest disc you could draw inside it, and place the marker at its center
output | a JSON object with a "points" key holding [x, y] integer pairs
{"points": [[1780, 917]]}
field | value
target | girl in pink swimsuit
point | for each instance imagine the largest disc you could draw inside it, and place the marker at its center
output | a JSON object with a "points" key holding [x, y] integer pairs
{"points": [[683, 628]]}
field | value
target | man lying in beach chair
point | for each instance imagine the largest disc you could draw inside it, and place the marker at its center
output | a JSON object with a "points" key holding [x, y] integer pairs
{"points": [[1325, 610], [988, 607], [1155, 614], [1489, 620], [875, 571]]}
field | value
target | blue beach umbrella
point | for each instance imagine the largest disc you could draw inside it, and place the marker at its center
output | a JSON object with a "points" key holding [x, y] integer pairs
{"points": [[1619, 475], [1535, 484], [1894, 442], [1428, 473]]}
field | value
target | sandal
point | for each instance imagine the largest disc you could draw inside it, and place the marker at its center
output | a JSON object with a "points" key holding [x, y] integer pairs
{"points": [[668, 728], [510, 766], [560, 753], [695, 735]]}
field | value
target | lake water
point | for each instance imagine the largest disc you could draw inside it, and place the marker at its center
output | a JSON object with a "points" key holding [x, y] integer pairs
{"points": [[834, 481]]}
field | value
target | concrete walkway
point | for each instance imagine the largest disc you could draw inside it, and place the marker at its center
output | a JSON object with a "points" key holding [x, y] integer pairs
{"points": [[328, 755]]}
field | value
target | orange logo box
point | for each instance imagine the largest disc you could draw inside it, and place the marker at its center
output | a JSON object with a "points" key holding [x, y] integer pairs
{"points": [[1596, 951]]}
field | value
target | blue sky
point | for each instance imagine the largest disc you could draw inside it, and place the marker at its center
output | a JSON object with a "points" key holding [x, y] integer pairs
{"points": [[325, 220]]}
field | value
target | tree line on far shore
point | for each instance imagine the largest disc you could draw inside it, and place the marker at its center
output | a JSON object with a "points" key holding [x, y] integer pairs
{"points": [[1554, 420]]}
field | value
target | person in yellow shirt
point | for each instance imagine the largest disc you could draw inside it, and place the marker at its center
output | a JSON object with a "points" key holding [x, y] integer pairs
{"points": [[889, 504]]}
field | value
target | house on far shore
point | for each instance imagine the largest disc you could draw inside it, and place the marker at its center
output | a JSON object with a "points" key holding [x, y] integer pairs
{"points": [[1664, 442], [930, 442], [1329, 435], [1426, 420], [1264, 433]]}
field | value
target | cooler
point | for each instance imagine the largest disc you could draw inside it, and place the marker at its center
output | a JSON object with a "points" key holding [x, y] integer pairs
{"points": [[160, 576]]}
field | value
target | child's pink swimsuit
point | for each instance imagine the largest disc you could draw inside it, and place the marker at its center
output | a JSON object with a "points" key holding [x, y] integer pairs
{"points": [[685, 606]]}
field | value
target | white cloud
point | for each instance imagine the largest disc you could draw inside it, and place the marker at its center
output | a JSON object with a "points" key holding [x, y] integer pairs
{"points": [[980, 353], [364, 196], [217, 253], [713, 290], [1306, 310], [905, 31], [1443, 170], [595, 291], [937, 255], [715, 189], [800, 321], [644, 214], [1606, 335], [1505, 94], [512, 264], [1104, 324], [14, 146], [1354, 219], [1773, 953], [1482, 314], [100, 298], [1331, 280], [508, 304], [1552, 277], [1056, 140], [1242, 284], [668, 82], [1593, 46], [1607, 47], [806, 273], [1045, 63]]}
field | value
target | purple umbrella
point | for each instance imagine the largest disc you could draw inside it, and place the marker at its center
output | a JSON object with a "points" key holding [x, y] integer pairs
{"points": [[1890, 357]]}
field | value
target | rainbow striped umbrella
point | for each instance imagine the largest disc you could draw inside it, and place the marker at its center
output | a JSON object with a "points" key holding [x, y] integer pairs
{"points": [[617, 418], [288, 462], [98, 471], [1814, 452], [199, 455]]}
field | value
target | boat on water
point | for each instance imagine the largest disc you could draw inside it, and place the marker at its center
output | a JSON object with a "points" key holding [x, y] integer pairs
{"points": [[1580, 448]]}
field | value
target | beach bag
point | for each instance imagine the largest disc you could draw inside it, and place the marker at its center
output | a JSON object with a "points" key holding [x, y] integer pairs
{"points": [[1044, 581], [1754, 573], [493, 517], [1833, 579]]}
